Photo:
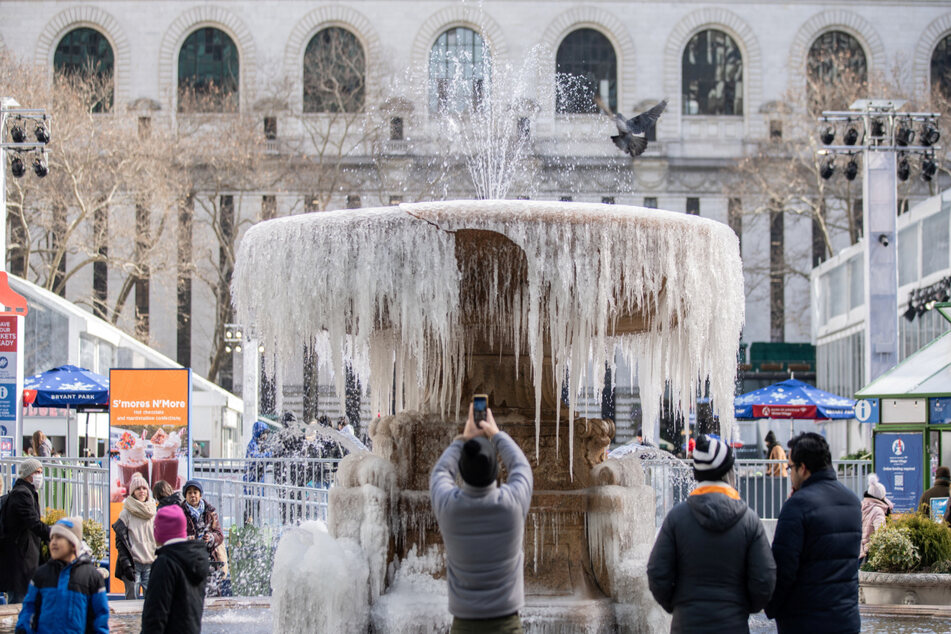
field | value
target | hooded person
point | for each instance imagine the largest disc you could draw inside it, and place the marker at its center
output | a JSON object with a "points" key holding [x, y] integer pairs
{"points": [[176, 597], [711, 565], [875, 508], [482, 526], [941, 489]]}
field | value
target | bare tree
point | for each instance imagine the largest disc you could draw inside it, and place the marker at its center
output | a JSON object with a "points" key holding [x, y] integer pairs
{"points": [[81, 214]]}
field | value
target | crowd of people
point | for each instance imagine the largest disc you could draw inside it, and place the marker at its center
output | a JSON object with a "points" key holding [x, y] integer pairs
{"points": [[170, 552], [711, 565]]}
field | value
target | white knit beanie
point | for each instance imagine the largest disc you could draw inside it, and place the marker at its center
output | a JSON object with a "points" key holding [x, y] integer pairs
{"points": [[28, 467], [875, 488]]}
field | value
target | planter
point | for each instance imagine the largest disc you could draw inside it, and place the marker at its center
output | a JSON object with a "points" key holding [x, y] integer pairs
{"points": [[882, 588]]}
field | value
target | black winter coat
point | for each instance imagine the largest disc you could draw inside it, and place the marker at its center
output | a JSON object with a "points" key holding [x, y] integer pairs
{"points": [[711, 566], [175, 498], [24, 534], [125, 564], [816, 548], [941, 489], [175, 598]]}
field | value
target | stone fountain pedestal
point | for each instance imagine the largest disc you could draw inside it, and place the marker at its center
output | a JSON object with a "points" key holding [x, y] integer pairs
{"points": [[587, 536]]}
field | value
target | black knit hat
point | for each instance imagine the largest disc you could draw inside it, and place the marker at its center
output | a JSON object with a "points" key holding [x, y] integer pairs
{"points": [[478, 464], [712, 458]]}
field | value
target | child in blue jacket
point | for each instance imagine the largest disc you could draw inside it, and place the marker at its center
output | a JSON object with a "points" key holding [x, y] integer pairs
{"points": [[67, 594]]}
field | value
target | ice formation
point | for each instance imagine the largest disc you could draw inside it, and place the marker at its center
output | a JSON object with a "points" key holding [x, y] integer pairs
{"points": [[334, 600], [380, 289]]}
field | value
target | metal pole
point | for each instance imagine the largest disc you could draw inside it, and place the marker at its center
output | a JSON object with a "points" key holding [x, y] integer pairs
{"points": [[879, 210]]}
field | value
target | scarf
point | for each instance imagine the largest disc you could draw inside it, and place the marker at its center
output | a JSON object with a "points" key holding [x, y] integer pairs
{"points": [[196, 511], [144, 510]]}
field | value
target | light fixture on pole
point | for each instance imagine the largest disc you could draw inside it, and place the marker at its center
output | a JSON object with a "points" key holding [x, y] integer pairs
{"points": [[891, 138], [233, 338]]}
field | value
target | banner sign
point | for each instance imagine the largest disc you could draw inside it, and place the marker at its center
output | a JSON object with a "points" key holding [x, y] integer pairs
{"points": [[784, 411], [899, 463], [6, 446], [149, 414], [11, 373]]}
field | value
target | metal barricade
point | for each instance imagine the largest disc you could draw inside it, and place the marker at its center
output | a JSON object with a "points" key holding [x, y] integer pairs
{"points": [[297, 472], [264, 504], [761, 483], [76, 486]]}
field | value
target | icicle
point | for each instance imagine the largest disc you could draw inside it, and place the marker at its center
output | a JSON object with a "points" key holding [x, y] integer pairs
{"points": [[383, 296]]}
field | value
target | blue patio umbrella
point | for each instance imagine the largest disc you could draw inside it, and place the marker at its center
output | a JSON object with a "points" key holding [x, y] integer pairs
{"points": [[793, 399], [67, 386]]}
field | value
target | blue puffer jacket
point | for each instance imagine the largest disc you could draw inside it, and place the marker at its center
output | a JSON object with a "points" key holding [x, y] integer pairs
{"points": [[816, 548], [65, 599]]}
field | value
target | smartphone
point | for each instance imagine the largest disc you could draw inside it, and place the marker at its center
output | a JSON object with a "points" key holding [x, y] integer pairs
{"points": [[480, 403]]}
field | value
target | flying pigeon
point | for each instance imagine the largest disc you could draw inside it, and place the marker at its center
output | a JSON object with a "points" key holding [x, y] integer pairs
{"points": [[632, 133]]}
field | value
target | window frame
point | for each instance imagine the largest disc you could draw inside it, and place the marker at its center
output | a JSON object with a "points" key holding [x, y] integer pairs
{"points": [[691, 103]]}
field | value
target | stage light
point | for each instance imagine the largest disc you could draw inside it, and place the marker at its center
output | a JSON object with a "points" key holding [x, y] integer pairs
{"points": [[827, 136], [40, 166], [828, 168], [904, 169], [851, 170], [929, 134], [17, 167]]}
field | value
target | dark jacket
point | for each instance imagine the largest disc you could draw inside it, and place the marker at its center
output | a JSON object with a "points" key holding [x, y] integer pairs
{"points": [[711, 566], [207, 525], [175, 498], [66, 599], [939, 490], [125, 564], [816, 548], [24, 533], [176, 596]]}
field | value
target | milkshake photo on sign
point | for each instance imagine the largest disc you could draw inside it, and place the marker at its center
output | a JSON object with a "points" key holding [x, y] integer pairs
{"points": [[153, 451]]}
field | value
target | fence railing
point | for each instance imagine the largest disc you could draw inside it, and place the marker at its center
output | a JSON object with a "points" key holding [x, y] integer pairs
{"points": [[77, 486], [761, 483], [278, 491], [299, 472]]}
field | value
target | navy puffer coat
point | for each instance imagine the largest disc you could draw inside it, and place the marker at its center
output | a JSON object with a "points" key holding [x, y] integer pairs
{"points": [[816, 548]]}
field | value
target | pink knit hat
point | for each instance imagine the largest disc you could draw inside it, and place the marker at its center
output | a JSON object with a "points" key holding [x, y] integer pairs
{"points": [[169, 524]]}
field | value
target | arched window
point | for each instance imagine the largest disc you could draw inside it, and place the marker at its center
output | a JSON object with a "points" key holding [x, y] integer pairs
{"points": [[586, 66], [87, 53], [941, 69], [459, 69], [334, 72], [712, 75], [208, 72], [836, 71]]}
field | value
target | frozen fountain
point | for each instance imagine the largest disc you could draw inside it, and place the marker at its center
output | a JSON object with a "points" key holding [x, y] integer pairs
{"points": [[432, 302], [429, 303]]}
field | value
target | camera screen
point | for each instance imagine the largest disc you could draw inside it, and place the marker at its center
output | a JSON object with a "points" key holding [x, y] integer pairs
{"points": [[479, 404]]}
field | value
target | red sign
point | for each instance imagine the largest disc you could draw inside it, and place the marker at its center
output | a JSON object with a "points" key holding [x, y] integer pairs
{"points": [[784, 411], [8, 333]]}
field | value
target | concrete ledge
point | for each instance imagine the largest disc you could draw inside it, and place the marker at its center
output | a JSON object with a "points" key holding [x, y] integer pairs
{"points": [[904, 589]]}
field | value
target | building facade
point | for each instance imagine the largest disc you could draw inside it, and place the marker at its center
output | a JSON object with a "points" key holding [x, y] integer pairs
{"points": [[727, 70]]}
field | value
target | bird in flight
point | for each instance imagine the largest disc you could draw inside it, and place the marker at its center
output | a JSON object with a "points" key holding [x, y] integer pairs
{"points": [[632, 133]]}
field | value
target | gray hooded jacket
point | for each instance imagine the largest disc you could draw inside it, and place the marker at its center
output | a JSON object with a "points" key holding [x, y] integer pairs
{"points": [[482, 528], [711, 566]]}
